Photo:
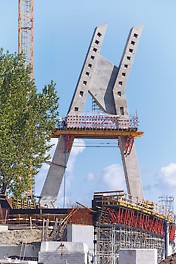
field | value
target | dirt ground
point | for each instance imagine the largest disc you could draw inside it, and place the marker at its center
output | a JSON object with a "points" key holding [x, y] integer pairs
{"points": [[169, 260], [16, 237]]}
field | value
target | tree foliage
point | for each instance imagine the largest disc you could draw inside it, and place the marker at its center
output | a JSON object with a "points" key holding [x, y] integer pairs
{"points": [[26, 120]]}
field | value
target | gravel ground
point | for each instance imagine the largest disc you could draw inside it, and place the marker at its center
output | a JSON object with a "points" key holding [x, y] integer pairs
{"points": [[169, 260], [16, 237]]}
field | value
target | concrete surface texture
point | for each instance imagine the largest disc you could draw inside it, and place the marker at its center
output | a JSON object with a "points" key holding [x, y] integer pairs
{"points": [[81, 233], [15, 261], [20, 251], [16, 237], [53, 246], [138, 256], [63, 252]]}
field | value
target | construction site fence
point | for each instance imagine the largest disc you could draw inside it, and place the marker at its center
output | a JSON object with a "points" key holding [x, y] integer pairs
{"points": [[99, 122], [140, 204], [30, 221]]}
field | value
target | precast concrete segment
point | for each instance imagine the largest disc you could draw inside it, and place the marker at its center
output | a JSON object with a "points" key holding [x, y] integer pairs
{"points": [[101, 86], [130, 164], [55, 174], [131, 171], [87, 72], [124, 70]]}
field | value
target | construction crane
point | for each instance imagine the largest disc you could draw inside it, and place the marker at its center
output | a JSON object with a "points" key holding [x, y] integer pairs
{"points": [[26, 31], [105, 83], [26, 43]]}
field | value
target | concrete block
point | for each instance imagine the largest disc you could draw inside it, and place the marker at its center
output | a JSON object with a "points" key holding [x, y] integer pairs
{"points": [[62, 258], [52, 246], [3, 228], [28, 251], [81, 233], [63, 252], [138, 256]]}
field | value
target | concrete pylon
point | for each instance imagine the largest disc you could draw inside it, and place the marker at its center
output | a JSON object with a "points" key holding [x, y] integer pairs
{"points": [[106, 83]]}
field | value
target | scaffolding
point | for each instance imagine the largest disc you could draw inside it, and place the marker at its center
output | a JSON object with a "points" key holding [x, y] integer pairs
{"points": [[124, 222], [109, 239], [98, 121], [167, 201]]}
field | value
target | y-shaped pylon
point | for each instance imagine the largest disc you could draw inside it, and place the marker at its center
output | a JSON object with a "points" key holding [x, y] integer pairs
{"points": [[106, 83]]}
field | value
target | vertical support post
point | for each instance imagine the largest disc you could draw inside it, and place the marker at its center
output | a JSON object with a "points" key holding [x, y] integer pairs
{"points": [[43, 231], [95, 245], [30, 222], [166, 239]]}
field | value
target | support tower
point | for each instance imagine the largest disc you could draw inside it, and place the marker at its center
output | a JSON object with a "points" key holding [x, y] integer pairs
{"points": [[106, 83]]}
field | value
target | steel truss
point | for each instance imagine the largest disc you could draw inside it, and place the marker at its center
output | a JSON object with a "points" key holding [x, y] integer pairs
{"points": [[26, 31]]}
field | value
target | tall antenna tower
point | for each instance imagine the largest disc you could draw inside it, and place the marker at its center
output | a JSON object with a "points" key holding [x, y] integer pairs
{"points": [[26, 31]]}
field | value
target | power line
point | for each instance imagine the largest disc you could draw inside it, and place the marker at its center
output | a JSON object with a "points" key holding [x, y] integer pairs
{"points": [[95, 146]]}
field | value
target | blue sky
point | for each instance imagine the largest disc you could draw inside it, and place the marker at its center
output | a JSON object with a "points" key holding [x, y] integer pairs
{"points": [[63, 30]]}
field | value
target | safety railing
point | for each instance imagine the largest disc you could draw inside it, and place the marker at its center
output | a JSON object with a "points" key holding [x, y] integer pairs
{"points": [[24, 204], [99, 121], [140, 204]]}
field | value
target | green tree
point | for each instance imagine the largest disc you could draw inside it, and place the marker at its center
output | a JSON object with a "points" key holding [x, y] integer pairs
{"points": [[26, 120]]}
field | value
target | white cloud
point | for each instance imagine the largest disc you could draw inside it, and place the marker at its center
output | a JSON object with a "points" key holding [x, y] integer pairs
{"points": [[53, 142], [161, 183], [41, 176], [169, 174], [110, 178], [78, 147], [90, 176], [64, 197], [113, 177]]}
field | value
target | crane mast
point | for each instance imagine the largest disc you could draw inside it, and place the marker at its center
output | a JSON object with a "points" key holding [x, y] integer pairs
{"points": [[26, 31], [26, 44]]}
